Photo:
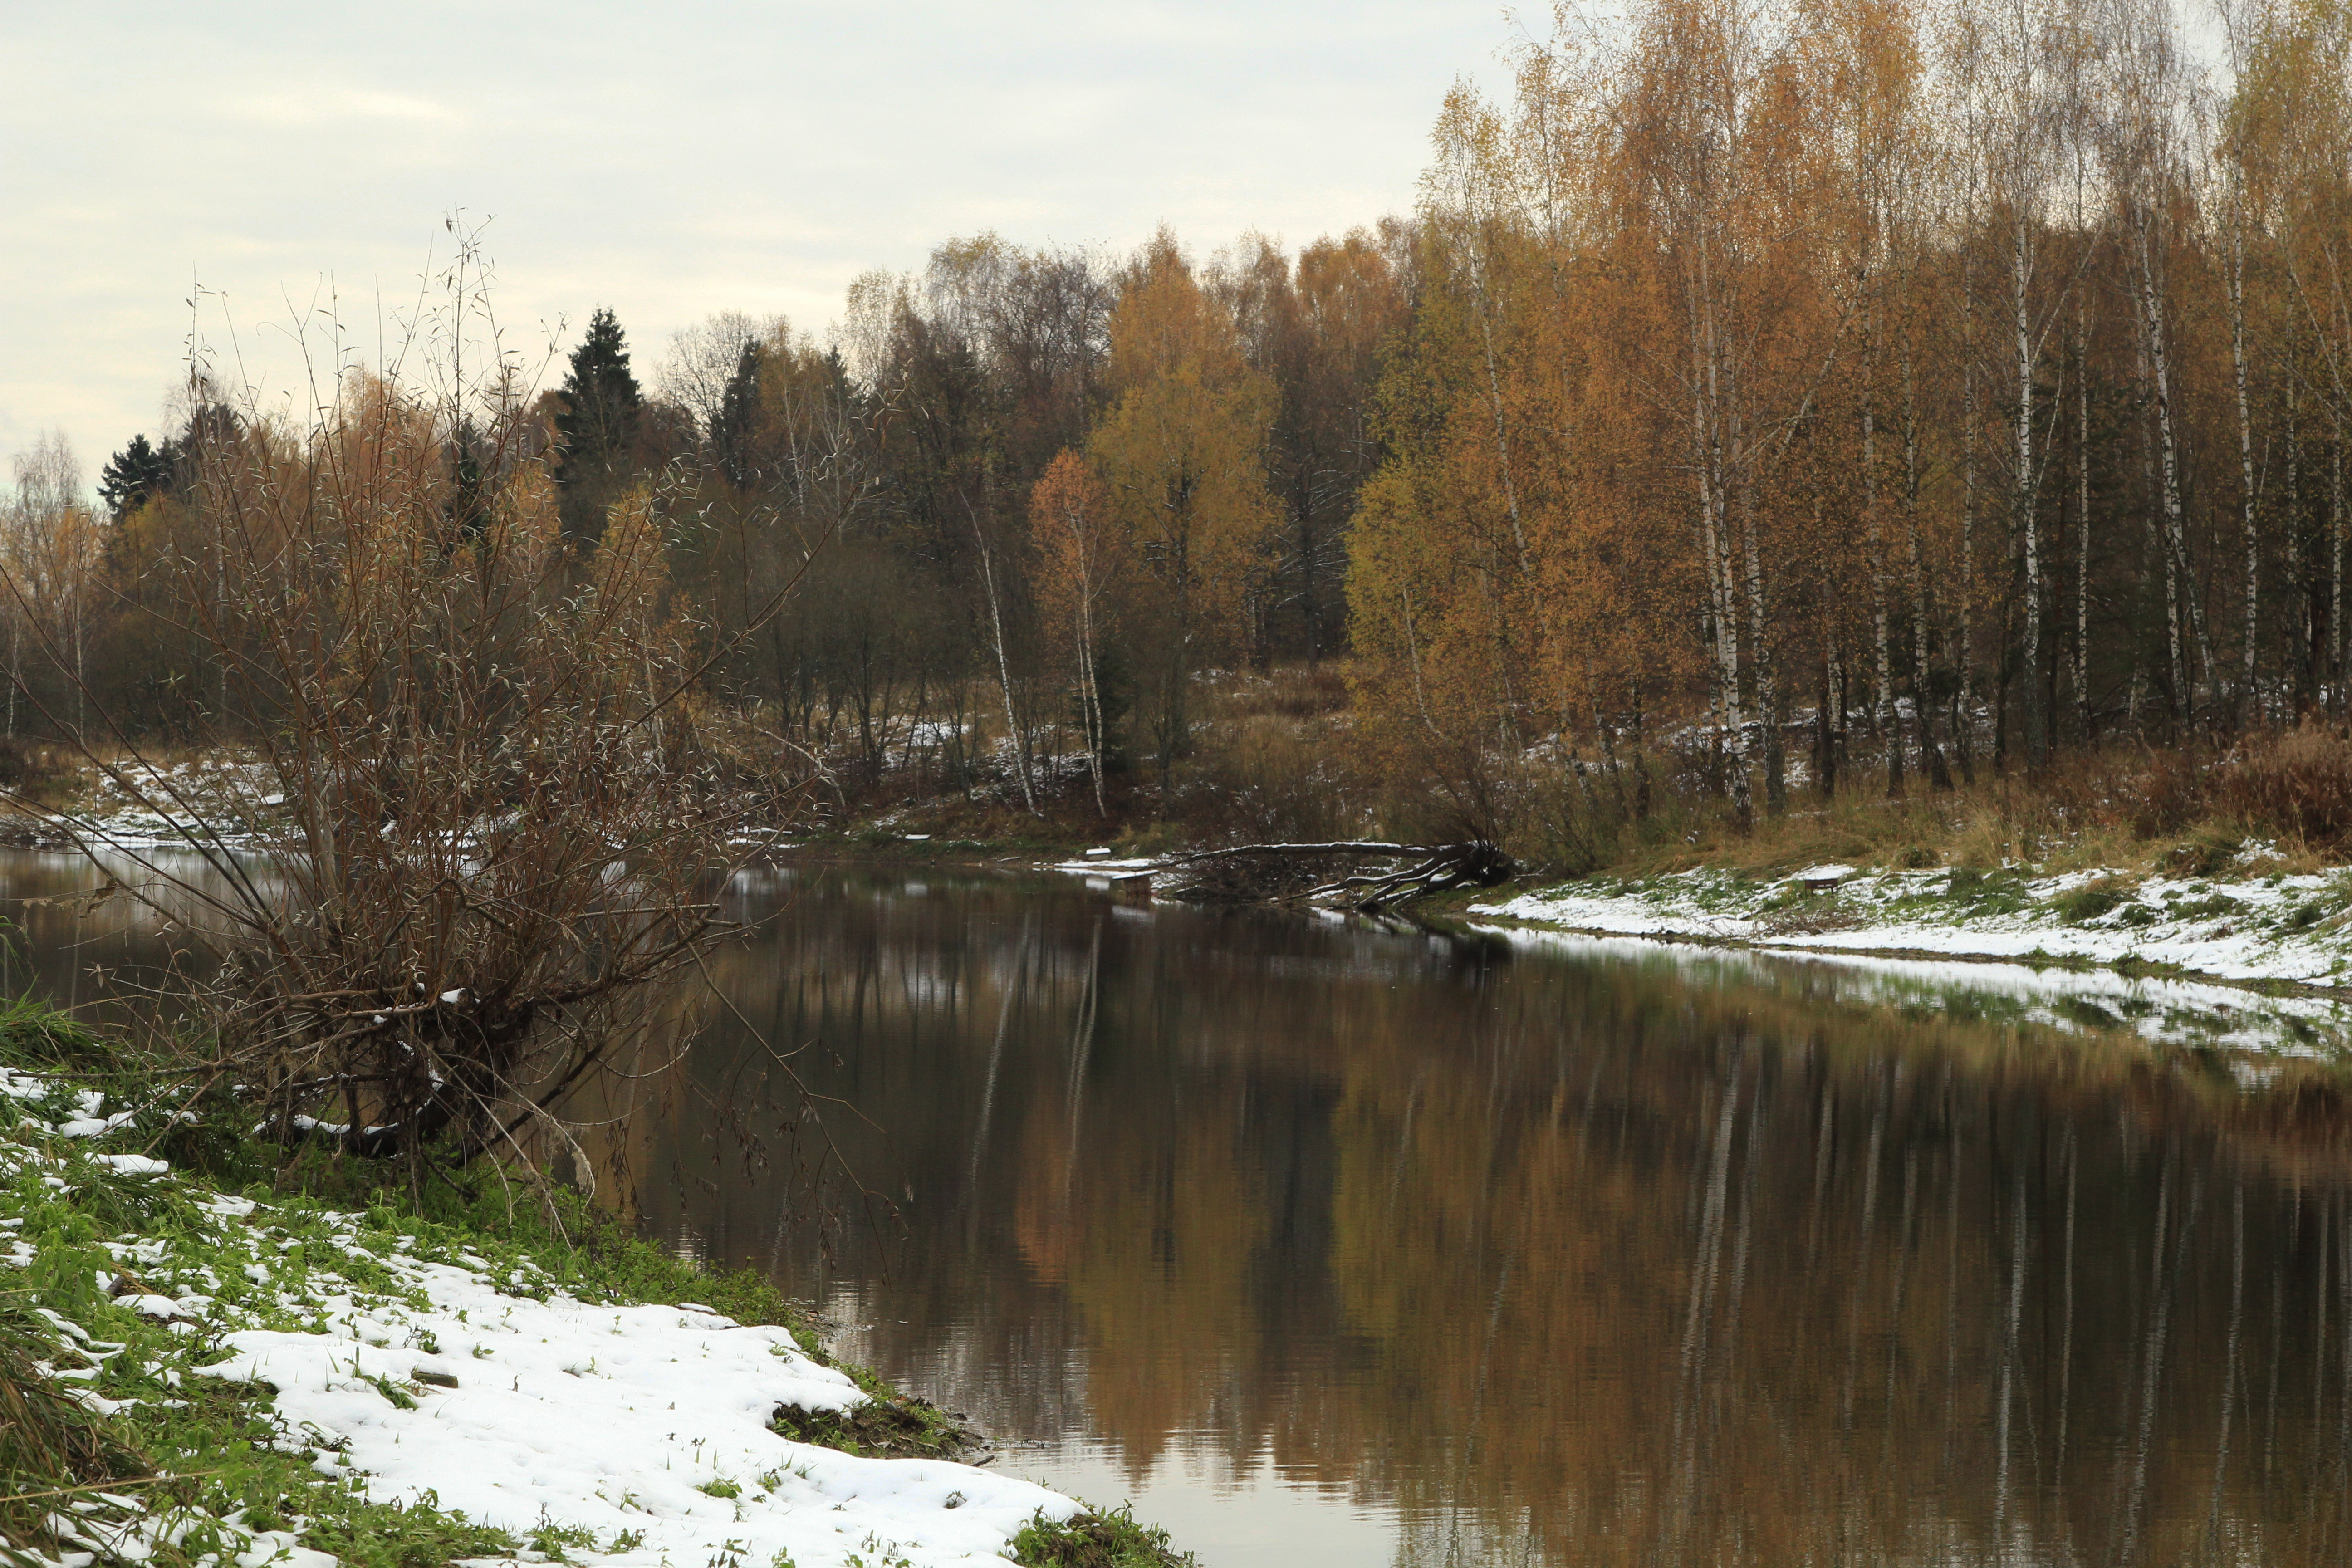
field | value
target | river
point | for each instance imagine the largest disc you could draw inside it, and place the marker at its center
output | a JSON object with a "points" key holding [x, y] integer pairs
{"points": [[1338, 1244]]}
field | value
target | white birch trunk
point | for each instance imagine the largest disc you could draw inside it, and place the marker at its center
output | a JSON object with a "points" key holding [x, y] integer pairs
{"points": [[1964, 729], [2298, 590], [1706, 429], [2180, 585], [2248, 705], [1931, 754], [1004, 669], [2020, 273], [2336, 562], [2081, 522], [1890, 731]]}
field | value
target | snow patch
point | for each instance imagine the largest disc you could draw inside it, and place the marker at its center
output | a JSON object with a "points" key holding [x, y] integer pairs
{"points": [[647, 1420], [511, 1403], [2295, 929]]}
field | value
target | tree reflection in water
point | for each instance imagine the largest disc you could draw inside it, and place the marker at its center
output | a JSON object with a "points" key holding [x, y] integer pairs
{"points": [[1573, 1261], [1548, 1259]]}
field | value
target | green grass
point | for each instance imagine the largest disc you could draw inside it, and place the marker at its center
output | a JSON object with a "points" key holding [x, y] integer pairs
{"points": [[1096, 1540], [2079, 906], [892, 1425], [35, 1037], [50, 1442], [205, 1450], [579, 1247], [216, 1446], [2210, 906]]}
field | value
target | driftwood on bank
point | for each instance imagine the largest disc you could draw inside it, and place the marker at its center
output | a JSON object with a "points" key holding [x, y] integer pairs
{"points": [[1373, 878]]}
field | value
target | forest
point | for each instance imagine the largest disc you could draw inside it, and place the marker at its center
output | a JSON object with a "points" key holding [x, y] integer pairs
{"points": [[1852, 398]]}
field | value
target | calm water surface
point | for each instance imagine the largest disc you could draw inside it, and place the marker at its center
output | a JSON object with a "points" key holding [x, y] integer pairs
{"points": [[1337, 1246]]}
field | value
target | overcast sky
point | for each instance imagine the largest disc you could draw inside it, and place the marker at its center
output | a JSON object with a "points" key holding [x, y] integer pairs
{"points": [[666, 160]]}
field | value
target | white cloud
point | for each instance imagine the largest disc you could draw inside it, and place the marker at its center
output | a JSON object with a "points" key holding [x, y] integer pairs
{"points": [[666, 160]]}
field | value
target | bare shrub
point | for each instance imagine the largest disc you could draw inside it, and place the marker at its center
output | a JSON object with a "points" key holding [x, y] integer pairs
{"points": [[1586, 813], [477, 828], [25, 767], [1265, 781], [1285, 692]]}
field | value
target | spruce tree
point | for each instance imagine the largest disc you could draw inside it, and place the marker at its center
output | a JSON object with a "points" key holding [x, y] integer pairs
{"points": [[139, 471], [597, 425], [600, 396], [739, 407]]}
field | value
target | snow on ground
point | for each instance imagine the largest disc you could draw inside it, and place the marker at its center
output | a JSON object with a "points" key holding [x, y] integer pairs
{"points": [[2177, 1012], [181, 798], [639, 1432], [644, 1426], [1101, 871], [2273, 928]]}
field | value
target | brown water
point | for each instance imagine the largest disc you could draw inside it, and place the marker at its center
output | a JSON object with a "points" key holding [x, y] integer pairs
{"points": [[1329, 1245]]}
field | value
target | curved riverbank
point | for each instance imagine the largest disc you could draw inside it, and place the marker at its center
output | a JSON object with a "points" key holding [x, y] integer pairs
{"points": [[2271, 931], [241, 1374]]}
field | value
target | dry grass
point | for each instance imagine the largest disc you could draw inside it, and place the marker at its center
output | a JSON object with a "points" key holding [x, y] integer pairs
{"points": [[2297, 784], [1295, 691], [51, 1445], [1271, 779], [2124, 807]]}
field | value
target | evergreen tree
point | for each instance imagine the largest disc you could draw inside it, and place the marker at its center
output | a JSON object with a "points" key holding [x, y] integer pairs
{"points": [[738, 411], [601, 399], [139, 471], [597, 424]]}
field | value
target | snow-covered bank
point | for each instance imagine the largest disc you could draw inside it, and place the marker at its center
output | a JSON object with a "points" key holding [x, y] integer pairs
{"points": [[402, 1365], [2230, 1018], [177, 803], [644, 1429], [2286, 930], [1099, 869]]}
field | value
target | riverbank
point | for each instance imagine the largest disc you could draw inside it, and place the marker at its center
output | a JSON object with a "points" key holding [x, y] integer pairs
{"points": [[2261, 927], [223, 1371], [1934, 879], [2257, 922], [2257, 957], [2255, 916]]}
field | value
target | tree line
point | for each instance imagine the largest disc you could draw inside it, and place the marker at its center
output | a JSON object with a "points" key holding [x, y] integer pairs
{"points": [[1028, 497], [1852, 390], [1970, 380]]}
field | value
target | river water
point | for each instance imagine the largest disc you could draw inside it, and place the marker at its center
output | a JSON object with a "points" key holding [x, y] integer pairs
{"points": [[1334, 1245]]}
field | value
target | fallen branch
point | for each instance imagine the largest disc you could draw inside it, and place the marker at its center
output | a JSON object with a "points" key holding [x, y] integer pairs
{"points": [[1343, 848], [1437, 868]]}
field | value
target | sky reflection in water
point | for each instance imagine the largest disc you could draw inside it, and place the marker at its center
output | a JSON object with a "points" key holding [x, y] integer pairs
{"points": [[1333, 1245]]}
